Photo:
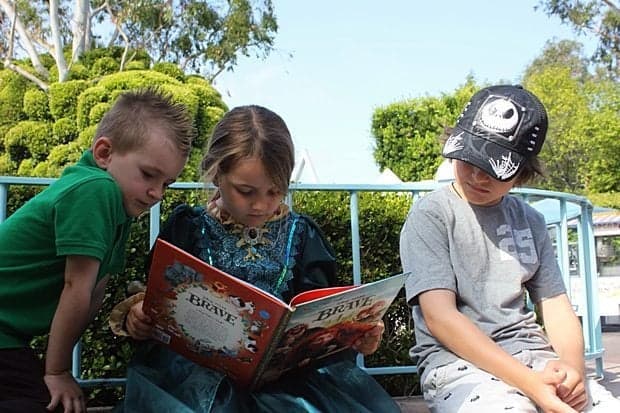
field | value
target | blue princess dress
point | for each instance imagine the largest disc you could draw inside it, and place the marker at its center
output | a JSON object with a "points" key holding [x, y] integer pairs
{"points": [[285, 257]]}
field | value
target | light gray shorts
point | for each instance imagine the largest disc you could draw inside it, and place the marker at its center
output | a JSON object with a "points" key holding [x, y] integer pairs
{"points": [[462, 387]]}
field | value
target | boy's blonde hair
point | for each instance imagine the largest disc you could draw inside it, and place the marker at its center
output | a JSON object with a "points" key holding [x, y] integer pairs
{"points": [[246, 132], [136, 115]]}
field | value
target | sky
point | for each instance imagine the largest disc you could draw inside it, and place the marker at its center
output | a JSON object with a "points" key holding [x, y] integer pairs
{"points": [[336, 61]]}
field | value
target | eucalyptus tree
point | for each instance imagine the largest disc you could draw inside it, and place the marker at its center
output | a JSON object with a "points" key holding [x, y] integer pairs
{"points": [[202, 37], [600, 18]]}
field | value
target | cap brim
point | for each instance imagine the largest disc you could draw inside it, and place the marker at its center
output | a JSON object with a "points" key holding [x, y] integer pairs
{"points": [[496, 160]]}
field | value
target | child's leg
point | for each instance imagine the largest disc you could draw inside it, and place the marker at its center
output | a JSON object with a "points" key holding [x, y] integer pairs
{"points": [[462, 387], [600, 399], [22, 388]]}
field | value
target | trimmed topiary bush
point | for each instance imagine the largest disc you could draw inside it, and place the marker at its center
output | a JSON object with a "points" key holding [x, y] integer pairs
{"points": [[63, 98], [105, 66], [169, 69], [36, 105]]}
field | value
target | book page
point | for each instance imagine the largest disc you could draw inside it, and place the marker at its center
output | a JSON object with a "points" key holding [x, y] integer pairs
{"points": [[329, 324], [208, 316]]}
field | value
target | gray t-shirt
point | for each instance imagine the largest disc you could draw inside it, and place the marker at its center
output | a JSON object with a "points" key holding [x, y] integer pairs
{"points": [[488, 256]]}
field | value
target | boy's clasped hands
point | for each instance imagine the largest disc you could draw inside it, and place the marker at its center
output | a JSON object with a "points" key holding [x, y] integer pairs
{"points": [[565, 382]]}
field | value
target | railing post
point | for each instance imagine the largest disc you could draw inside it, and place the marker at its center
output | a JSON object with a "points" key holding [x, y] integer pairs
{"points": [[355, 238], [76, 365], [154, 219], [592, 319], [4, 189], [562, 247]]}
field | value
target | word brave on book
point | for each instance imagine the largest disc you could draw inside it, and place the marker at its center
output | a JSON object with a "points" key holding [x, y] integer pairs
{"points": [[214, 308], [231, 326], [344, 308]]}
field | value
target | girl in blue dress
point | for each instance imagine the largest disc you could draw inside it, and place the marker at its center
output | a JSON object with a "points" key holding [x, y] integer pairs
{"points": [[247, 231]]}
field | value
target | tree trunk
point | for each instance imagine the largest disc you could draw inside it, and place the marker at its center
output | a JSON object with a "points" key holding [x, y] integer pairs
{"points": [[80, 29], [57, 51]]}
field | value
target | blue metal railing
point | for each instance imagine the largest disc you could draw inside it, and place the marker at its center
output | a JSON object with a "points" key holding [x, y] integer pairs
{"points": [[587, 262]]}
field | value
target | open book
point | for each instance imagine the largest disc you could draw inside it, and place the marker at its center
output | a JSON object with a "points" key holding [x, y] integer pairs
{"points": [[231, 326]]}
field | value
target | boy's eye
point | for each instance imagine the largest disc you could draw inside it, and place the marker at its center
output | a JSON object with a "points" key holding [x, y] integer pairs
{"points": [[147, 174]]}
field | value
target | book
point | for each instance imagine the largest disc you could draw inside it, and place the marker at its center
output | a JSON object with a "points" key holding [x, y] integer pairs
{"points": [[226, 324]]}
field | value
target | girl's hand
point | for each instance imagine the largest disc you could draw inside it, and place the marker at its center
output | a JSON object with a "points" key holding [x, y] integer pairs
{"points": [[138, 325], [369, 343]]}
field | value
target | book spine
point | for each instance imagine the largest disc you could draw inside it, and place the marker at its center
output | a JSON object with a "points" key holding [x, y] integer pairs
{"points": [[275, 340]]}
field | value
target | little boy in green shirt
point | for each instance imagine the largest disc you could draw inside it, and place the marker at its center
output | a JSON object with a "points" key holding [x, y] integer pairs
{"points": [[58, 250]]}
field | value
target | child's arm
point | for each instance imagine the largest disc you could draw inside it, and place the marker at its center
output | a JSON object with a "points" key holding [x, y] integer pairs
{"points": [[73, 313], [466, 340], [566, 337]]}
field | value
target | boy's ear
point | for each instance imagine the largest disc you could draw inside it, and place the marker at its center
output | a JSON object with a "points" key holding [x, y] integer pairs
{"points": [[102, 152]]}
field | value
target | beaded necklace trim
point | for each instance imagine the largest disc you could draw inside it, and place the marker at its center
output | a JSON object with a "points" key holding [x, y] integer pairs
{"points": [[252, 237], [249, 237]]}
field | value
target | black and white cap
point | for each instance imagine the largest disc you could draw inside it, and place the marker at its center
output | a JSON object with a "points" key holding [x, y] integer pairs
{"points": [[500, 128]]}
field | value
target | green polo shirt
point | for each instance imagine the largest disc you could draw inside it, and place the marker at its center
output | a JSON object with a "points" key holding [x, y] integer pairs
{"points": [[79, 214]]}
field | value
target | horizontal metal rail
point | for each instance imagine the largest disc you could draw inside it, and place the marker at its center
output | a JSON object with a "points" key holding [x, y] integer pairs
{"points": [[587, 259]]}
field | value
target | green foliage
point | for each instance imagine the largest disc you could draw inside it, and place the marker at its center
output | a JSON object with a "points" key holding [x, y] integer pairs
{"points": [[381, 216], [205, 36], [169, 69], [98, 111], [564, 53], [406, 133], [600, 18], [87, 100], [105, 66], [12, 90], [584, 122], [135, 80], [76, 72], [607, 200], [63, 98], [55, 135], [64, 130], [36, 105], [7, 166], [29, 139], [136, 65]]}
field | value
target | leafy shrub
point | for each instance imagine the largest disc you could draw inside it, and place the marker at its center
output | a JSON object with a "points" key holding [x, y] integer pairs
{"points": [[36, 105], [105, 66], [12, 90], [85, 102], [64, 130], [98, 111], [63, 98], [169, 69]]}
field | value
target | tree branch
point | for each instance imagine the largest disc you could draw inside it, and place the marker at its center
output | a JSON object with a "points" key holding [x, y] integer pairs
{"points": [[25, 39], [10, 65]]}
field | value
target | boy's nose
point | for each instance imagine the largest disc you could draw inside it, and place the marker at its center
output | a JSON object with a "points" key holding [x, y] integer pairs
{"points": [[156, 193], [479, 175]]}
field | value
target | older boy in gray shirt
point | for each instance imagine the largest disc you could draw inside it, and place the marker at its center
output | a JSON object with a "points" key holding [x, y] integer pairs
{"points": [[473, 251]]}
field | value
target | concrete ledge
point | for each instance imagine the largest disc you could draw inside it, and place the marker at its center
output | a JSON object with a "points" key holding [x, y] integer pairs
{"points": [[412, 404]]}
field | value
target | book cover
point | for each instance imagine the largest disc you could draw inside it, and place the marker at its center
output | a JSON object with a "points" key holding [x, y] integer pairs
{"points": [[231, 326]]}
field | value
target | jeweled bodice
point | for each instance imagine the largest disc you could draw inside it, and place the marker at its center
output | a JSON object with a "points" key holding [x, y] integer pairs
{"points": [[262, 256]]}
